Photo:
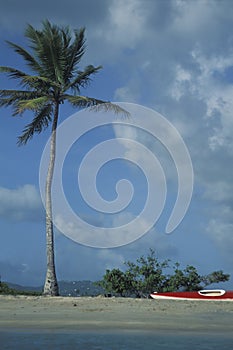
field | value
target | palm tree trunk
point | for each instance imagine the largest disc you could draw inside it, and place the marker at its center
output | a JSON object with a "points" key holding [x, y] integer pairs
{"points": [[51, 285]]}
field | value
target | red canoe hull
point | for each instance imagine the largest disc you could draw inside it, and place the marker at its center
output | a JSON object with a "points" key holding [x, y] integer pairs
{"points": [[199, 295]]}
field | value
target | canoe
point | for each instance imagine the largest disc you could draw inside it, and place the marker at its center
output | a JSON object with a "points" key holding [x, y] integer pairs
{"points": [[205, 294]]}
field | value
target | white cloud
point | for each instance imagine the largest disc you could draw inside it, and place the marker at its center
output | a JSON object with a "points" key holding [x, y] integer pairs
{"points": [[126, 94], [144, 159], [127, 19], [182, 78], [219, 191], [118, 233], [206, 82], [220, 231], [192, 16], [21, 204], [110, 258]]}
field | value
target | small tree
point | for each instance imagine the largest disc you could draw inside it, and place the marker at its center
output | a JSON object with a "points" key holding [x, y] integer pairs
{"points": [[146, 273], [176, 280], [215, 277], [114, 282], [192, 280]]}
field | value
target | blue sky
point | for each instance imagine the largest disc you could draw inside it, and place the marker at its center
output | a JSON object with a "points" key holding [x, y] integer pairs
{"points": [[175, 57]]}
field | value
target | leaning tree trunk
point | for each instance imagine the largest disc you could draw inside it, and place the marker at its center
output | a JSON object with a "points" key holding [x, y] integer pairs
{"points": [[51, 285]]}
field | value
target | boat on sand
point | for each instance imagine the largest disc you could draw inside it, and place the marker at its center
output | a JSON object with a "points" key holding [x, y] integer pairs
{"points": [[205, 294]]}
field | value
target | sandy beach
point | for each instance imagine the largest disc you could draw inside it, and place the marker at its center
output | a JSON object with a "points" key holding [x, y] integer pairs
{"points": [[99, 313]]}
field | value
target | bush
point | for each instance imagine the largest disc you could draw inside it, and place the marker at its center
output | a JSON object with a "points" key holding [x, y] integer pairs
{"points": [[147, 275]]}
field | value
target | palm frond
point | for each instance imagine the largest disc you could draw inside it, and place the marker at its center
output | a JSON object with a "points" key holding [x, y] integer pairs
{"points": [[13, 72], [34, 104], [12, 98], [18, 94], [34, 36], [66, 36], [30, 81], [75, 51], [49, 47], [30, 60], [95, 104], [40, 122], [83, 78], [109, 106], [22, 100], [54, 49], [39, 83]]}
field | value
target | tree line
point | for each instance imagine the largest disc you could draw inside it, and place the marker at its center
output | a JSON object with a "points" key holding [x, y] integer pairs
{"points": [[148, 274]]}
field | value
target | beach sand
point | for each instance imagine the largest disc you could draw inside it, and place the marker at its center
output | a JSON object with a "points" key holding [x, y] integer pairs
{"points": [[114, 314]]}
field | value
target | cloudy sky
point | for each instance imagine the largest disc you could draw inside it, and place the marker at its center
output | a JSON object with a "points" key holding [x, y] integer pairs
{"points": [[172, 56]]}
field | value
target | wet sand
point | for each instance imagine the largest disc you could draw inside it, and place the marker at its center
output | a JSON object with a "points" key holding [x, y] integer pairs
{"points": [[114, 314]]}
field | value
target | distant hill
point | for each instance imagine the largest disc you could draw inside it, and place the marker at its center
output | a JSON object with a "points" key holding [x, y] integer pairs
{"points": [[82, 288], [23, 288], [66, 288]]}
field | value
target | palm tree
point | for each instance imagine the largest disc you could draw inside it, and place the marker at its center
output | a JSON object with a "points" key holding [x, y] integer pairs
{"points": [[53, 57]]}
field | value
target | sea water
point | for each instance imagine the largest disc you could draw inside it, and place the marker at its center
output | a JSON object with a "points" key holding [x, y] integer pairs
{"points": [[128, 340]]}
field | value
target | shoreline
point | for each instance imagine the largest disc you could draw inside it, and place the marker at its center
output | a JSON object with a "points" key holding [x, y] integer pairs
{"points": [[99, 314]]}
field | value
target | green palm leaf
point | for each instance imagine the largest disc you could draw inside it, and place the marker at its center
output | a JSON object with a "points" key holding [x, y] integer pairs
{"points": [[75, 52], [13, 72], [83, 78], [34, 104], [17, 94], [12, 97], [95, 104], [40, 122], [29, 59]]}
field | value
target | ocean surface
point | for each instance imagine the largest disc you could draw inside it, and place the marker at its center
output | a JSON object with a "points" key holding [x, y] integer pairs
{"points": [[128, 340]]}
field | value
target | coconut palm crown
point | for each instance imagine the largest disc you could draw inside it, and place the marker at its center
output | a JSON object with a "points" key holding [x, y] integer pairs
{"points": [[53, 57]]}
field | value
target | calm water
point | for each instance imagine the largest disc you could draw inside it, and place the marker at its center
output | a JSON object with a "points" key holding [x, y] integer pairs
{"points": [[113, 341]]}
